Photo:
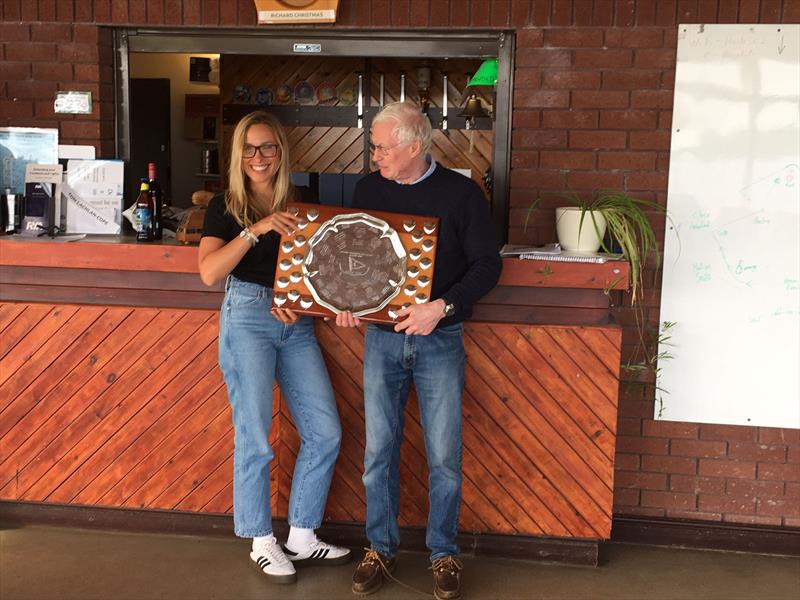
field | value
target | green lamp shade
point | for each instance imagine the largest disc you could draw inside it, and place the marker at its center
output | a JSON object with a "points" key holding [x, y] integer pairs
{"points": [[486, 73]]}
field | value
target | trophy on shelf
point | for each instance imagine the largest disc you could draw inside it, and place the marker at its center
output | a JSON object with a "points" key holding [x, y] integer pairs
{"points": [[371, 264]]}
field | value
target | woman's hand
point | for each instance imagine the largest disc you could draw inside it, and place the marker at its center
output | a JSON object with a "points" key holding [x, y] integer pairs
{"points": [[285, 315], [282, 222]]}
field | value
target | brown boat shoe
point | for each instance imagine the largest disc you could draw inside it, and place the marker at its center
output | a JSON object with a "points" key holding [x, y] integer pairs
{"points": [[371, 572], [447, 578]]}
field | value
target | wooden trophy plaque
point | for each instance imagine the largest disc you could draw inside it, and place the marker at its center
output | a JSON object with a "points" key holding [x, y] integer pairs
{"points": [[371, 264]]}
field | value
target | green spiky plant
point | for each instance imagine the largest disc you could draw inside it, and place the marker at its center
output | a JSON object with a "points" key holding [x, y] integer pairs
{"points": [[626, 223]]}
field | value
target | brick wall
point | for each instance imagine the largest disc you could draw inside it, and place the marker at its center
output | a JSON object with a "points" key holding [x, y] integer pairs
{"points": [[592, 110]]}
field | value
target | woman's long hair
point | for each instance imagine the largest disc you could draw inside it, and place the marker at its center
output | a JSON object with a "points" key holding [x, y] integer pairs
{"points": [[238, 201]]}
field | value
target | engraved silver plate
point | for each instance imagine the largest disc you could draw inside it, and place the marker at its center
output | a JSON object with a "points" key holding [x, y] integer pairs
{"points": [[354, 262]]}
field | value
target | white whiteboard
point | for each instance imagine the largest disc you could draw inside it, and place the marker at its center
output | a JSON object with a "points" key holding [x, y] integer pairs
{"points": [[732, 261]]}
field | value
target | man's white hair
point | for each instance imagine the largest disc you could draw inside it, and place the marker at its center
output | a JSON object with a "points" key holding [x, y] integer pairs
{"points": [[411, 123]]}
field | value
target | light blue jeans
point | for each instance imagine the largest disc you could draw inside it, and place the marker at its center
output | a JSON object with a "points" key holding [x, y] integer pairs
{"points": [[435, 363], [255, 349]]}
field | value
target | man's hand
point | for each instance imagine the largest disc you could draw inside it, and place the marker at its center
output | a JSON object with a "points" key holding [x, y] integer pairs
{"points": [[346, 319], [285, 315], [421, 319]]}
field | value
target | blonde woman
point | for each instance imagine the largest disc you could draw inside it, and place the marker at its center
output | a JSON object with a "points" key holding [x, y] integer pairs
{"points": [[258, 344]]}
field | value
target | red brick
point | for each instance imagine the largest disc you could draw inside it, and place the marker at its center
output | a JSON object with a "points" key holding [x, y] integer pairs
{"points": [[628, 119], [696, 485], [626, 497], [729, 503], [400, 13], [789, 522], [191, 12], [525, 159], [665, 119], [631, 79], [15, 32], [31, 89], [18, 71], [538, 138], [752, 519], [642, 445], [727, 468], [45, 109], [792, 490], [600, 99], [597, 139], [537, 178], [480, 13], [627, 462], [670, 429], [654, 58], [500, 14], [779, 472], [759, 452], [459, 14], [640, 511], [668, 500], [15, 109], [526, 118], [669, 464], [570, 119], [51, 32], [530, 38], [698, 448], [641, 37], [772, 435], [739, 433], [31, 52], [30, 10], [569, 80], [633, 161], [612, 58], [791, 12], [561, 12], [778, 507], [603, 13], [86, 34], [595, 180], [527, 78], [541, 98], [646, 181], [694, 515], [652, 99], [554, 159], [793, 454], [629, 426], [539, 57], [79, 53], [52, 71], [642, 481], [80, 129], [574, 38], [649, 140], [761, 489]]}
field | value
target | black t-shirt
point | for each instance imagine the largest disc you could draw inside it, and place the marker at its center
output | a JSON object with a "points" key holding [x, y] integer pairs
{"points": [[258, 265]]}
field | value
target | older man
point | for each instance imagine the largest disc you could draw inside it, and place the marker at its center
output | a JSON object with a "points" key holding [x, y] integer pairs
{"points": [[426, 346]]}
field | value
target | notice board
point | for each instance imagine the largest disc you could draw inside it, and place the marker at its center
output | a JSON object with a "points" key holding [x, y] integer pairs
{"points": [[732, 252]]}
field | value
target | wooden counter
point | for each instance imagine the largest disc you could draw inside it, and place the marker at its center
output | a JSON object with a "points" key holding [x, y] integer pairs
{"points": [[110, 393]]}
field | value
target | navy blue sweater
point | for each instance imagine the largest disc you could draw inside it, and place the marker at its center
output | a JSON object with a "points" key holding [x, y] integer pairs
{"points": [[468, 263]]}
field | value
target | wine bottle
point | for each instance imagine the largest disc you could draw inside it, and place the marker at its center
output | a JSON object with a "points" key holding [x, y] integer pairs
{"points": [[144, 213], [157, 196]]}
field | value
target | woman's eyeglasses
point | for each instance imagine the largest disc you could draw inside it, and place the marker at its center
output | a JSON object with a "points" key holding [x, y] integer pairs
{"points": [[383, 150], [266, 150]]}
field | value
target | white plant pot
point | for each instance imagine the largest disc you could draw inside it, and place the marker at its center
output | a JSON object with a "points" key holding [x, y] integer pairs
{"points": [[568, 224]]}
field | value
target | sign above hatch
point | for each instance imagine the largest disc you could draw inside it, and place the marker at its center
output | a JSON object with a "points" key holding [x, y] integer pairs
{"points": [[275, 12]]}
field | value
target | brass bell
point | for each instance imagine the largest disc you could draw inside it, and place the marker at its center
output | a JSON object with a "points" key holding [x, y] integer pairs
{"points": [[472, 110]]}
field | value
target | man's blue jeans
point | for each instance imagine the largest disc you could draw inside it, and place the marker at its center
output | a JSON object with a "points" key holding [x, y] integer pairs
{"points": [[435, 363], [254, 350]]}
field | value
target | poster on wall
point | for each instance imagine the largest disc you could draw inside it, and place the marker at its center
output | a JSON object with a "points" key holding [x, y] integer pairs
{"points": [[20, 146]]}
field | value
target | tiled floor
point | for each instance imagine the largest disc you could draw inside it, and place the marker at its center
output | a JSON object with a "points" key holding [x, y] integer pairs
{"points": [[43, 563]]}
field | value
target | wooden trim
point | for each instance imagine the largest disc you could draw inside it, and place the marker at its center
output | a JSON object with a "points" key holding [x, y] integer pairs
{"points": [[706, 535], [122, 254], [13, 514]]}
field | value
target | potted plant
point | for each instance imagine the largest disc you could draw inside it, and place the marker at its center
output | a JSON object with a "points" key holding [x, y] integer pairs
{"points": [[582, 226]]}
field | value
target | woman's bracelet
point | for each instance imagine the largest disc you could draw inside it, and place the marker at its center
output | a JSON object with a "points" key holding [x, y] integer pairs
{"points": [[249, 236]]}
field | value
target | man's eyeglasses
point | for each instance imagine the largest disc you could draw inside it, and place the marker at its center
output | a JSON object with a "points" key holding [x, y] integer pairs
{"points": [[383, 150], [266, 150]]}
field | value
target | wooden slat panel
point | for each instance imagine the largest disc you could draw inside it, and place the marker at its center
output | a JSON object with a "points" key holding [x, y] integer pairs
{"points": [[139, 418]]}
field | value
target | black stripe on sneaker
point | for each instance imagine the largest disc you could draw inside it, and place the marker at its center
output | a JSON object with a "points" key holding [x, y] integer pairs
{"points": [[324, 553], [315, 554], [263, 562], [287, 551]]}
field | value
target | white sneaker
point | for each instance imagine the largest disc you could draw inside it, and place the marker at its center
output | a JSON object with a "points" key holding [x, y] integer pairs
{"points": [[319, 553], [268, 557]]}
